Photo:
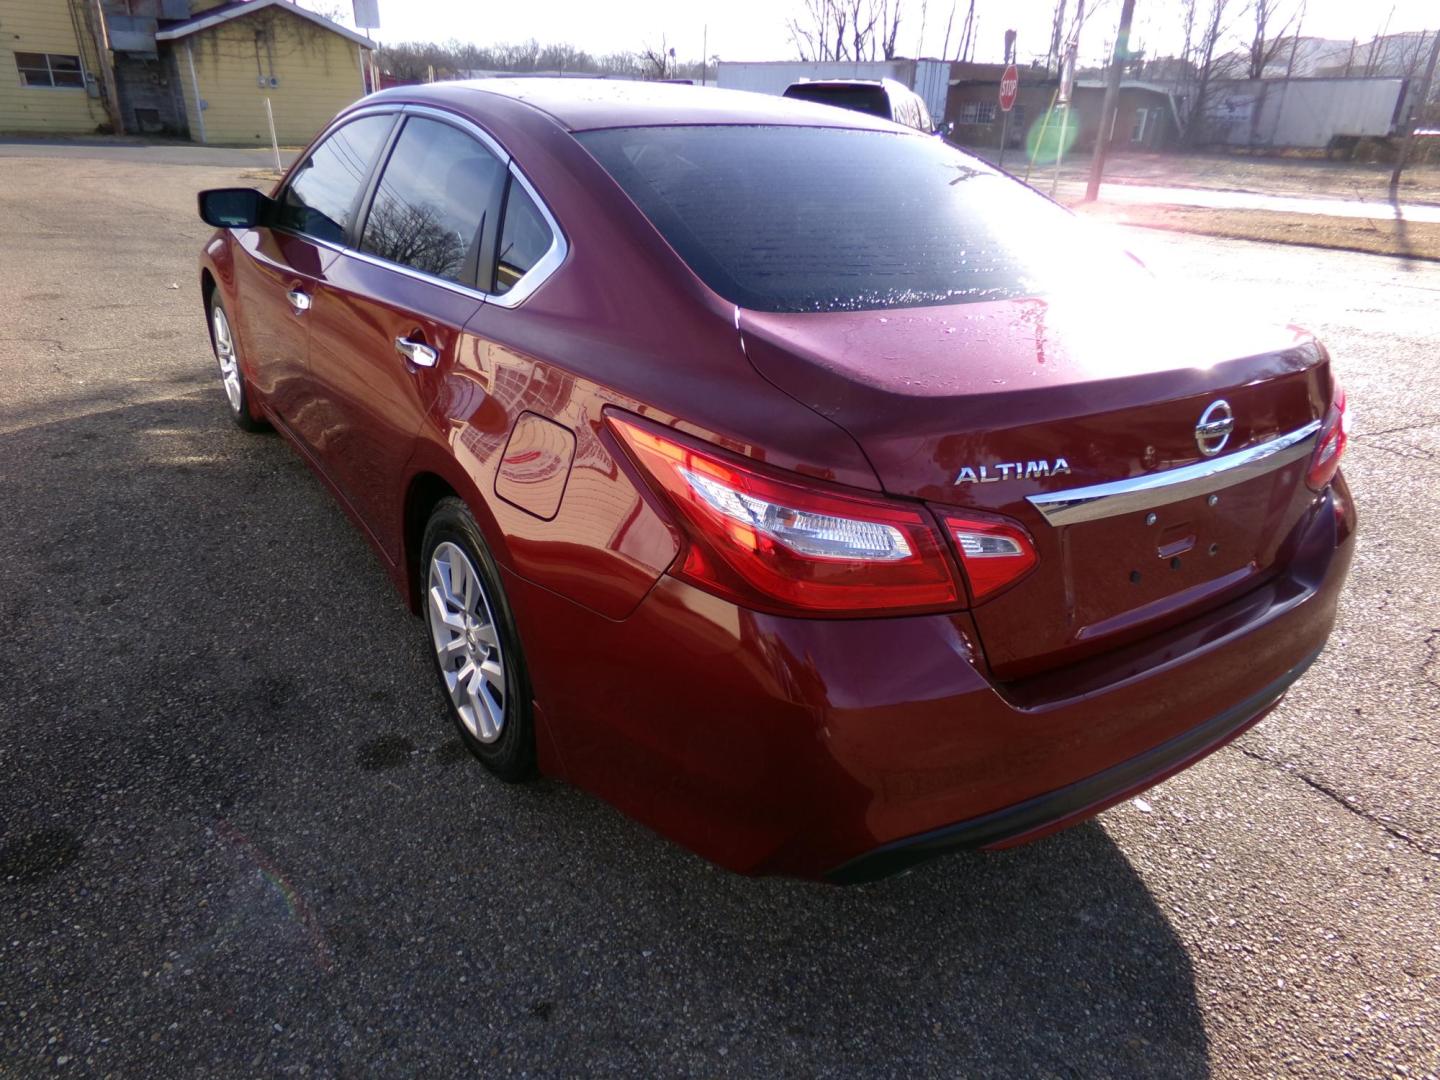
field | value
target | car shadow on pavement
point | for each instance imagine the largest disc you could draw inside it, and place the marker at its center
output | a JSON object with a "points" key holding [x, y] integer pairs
{"points": [[238, 835]]}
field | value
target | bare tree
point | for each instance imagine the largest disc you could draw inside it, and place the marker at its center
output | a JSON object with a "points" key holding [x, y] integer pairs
{"points": [[412, 61], [1187, 23], [414, 235], [967, 37], [1057, 35], [1370, 61], [889, 26], [861, 16], [846, 29], [949, 25], [659, 63], [328, 9], [1411, 52], [1212, 31], [811, 31], [1269, 33]]}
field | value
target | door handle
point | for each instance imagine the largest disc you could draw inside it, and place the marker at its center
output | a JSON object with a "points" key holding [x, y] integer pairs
{"points": [[417, 352], [299, 301]]}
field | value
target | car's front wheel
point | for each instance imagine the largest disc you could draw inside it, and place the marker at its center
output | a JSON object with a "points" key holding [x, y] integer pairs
{"points": [[227, 355], [475, 644]]}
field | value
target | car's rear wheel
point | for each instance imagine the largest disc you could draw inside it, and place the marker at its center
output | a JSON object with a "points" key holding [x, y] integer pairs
{"points": [[232, 379], [475, 644]]}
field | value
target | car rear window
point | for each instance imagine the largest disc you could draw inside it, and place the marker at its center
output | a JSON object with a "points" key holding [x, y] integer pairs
{"points": [[865, 99], [831, 219]]}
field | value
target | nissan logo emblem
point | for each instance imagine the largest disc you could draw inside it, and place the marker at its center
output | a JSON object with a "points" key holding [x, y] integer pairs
{"points": [[1213, 430]]}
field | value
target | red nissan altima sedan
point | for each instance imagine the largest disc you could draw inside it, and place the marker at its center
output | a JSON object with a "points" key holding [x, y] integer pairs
{"points": [[817, 495]]}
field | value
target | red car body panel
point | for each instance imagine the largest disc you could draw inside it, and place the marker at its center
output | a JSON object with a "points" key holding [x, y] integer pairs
{"points": [[1025, 380], [778, 744]]}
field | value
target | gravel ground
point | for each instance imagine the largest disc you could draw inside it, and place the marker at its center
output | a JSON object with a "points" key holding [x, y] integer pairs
{"points": [[237, 835], [1274, 174], [1412, 241]]}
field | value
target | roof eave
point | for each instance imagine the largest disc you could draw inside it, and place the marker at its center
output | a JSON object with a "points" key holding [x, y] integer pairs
{"points": [[205, 22]]}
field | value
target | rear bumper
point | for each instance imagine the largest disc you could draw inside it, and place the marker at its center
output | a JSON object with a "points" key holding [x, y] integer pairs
{"points": [[850, 749], [1075, 802]]}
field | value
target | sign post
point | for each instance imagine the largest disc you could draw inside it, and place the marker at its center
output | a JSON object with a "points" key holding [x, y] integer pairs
{"points": [[1009, 88]]}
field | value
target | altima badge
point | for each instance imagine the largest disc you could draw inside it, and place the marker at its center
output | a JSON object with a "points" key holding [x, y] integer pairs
{"points": [[1213, 430], [1012, 470]]}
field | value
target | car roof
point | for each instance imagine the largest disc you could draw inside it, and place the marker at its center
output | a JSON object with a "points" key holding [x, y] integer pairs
{"points": [[876, 83], [580, 104]]}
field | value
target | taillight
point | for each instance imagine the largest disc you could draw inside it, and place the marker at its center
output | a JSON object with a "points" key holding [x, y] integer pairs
{"points": [[993, 554], [1329, 443], [774, 544]]}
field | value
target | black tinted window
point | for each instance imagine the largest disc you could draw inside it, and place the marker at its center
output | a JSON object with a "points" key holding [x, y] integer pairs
{"points": [[824, 219], [432, 198], [865, 99], [322, 195], [524, 237]]}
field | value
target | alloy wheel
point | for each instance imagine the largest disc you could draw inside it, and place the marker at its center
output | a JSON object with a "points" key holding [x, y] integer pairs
{"points": [[467, 642], [225, 354]]}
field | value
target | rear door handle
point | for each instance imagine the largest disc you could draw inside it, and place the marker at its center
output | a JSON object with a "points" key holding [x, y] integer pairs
{"points": [[299, 301], [417, 352]]}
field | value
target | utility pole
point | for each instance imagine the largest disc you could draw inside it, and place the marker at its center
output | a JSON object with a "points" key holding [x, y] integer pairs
{"points": [[1417, 108], [1067, 87], [103, 56], [1112, 101]]}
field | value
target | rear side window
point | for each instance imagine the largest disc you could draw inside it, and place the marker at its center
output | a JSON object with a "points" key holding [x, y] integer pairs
{"points": [[430, 205], [321, 198], [525, 237], [831, 219]]}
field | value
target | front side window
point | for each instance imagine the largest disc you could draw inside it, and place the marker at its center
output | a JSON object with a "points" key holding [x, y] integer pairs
{"points": [[430, 205], [780, 218], [321, 198], [49, 69], [525, 237]]}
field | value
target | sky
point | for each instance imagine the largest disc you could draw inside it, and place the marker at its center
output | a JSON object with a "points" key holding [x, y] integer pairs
{"points": [[756, 29]]}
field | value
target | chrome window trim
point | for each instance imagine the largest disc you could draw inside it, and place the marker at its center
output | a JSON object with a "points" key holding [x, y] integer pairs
{"points": [[468, 126], [1099, 501], [544, 266], [538, 274]]}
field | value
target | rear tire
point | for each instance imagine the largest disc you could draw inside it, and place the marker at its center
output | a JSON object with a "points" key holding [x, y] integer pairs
{"points": [[474, 644], [232, 376]]}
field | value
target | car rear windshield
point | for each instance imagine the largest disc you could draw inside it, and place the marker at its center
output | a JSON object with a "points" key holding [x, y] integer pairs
{"points": [[834, 219], [865, 99]]}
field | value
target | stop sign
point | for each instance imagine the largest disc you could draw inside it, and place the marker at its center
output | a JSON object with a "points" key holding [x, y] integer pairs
{"points": [[1009, 87]]}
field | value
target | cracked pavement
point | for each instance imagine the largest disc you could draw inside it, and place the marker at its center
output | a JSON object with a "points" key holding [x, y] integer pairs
{"points": [[237, 836]]}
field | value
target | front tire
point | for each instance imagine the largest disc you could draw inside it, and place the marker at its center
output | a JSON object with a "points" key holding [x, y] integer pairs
{"points": [[232, 378], [475, 646]]}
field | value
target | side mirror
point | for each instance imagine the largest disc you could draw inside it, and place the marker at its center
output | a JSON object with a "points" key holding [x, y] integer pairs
{"points": [[234, 208]]}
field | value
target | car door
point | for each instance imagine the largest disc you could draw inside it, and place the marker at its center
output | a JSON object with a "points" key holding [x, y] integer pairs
{"points": [[276, 284], [388, 314]]}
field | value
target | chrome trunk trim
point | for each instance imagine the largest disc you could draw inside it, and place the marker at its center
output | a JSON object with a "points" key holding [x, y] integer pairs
{"points": [[1098, 501]]}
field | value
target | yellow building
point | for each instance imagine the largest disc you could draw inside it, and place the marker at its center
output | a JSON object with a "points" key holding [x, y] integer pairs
{"points": [[233, 57], [202, 68], [49, 70]]}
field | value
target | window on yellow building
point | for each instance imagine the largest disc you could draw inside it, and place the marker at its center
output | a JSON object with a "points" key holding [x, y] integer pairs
{"points": [[50, 69]]}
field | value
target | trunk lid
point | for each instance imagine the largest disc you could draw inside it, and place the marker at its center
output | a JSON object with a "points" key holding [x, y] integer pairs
{"points": [[1016, 398]]}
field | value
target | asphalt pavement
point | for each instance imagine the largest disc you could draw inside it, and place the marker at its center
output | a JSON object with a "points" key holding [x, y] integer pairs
{"points": [[238, 836]]}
